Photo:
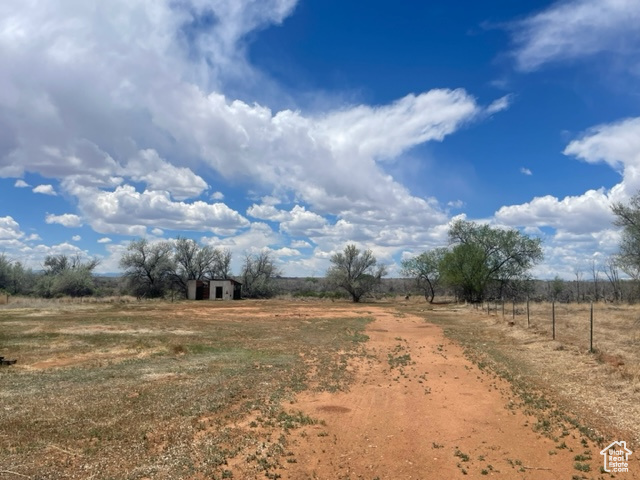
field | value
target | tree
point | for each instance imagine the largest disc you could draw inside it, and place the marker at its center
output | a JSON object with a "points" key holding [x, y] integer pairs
{"points": [[5, 272], [578, 274], [258, 272], [556, 287], [194, 262], [613, 275], [355, 272], [483, 256], [595, 271], [148, 267], [65, 275], [221, 267], [13, 276], [21, 280], [465, 269], [425, 269], [628, 217]]}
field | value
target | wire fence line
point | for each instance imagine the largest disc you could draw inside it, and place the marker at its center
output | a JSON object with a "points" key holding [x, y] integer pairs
{"points": [[594, 327]]}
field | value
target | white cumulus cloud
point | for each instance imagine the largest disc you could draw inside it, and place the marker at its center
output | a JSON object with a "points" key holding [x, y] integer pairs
{"points": [[66, 219], [158, 174], [9, 229], [127, 211], [45, 190], [616, 144]]}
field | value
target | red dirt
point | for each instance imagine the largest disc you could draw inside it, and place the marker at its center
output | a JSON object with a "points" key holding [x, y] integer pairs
{"points": [[443, 418]]}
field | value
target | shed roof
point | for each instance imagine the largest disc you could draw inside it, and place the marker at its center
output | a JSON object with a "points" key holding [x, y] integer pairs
{"points": [[224, 280]]}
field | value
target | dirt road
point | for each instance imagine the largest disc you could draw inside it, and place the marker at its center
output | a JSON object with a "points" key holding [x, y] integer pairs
{"points": [[420, 410]]}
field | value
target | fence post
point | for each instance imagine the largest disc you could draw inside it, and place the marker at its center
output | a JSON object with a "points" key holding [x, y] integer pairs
{"points": [[502, 299], [528, 318], [553, 319], [591, 330], [514, 310]]}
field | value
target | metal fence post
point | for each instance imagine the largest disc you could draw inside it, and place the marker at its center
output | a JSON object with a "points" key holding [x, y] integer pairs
{"points": [[553, 320], [591, 330]]}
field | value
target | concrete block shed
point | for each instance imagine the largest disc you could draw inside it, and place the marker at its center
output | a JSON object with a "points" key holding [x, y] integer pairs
{"points": [[214, 289]]}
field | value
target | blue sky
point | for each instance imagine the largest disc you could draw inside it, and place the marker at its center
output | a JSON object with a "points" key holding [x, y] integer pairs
{"points": [[301, 126]]}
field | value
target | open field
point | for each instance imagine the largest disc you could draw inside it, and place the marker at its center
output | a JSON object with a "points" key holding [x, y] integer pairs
{"points": [[161, 390], [295, 389]]}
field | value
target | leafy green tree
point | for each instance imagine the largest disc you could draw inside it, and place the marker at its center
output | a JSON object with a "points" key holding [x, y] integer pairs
{"points": [[356, 272], [148, 267], [425, 269], [483, 256], [464, 268], [258, 274]]}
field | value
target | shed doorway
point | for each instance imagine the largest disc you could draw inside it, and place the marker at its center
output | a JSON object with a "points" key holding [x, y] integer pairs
{"points": [[202, 291], [219, 292]]}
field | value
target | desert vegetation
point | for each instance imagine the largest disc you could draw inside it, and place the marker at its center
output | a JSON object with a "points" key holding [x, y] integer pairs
{"points": [[355, 272], [161, 390], [154, 389]]}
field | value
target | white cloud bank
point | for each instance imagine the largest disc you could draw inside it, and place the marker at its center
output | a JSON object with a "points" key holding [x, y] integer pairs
{"points": [[583, 223], [124, 104]]}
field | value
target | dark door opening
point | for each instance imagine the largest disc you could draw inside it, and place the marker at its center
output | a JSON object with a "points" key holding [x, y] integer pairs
{"points": [[218, 292]]}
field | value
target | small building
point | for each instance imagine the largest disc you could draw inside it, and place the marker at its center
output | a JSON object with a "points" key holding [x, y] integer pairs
{"points": [[214, 289]]}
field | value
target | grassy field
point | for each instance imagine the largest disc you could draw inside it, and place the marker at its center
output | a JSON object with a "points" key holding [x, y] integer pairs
{"points": [[205, 390], [130, 391]]}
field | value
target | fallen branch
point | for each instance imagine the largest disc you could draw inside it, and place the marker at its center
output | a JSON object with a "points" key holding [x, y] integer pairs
{"points": [[64, 451], [536, 468], [14, 473]]}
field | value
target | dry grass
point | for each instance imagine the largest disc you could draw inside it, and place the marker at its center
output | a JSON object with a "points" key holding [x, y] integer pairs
{"points": [[600, 391], [200, 390], [616, 330], [163, 390], [13, 302]]}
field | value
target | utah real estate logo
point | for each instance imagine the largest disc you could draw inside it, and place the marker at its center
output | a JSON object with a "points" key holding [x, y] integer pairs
{"points": [[616, 457]]}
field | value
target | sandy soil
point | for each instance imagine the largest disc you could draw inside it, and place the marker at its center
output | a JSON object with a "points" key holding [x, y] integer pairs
{"points": [[438, 416]]}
